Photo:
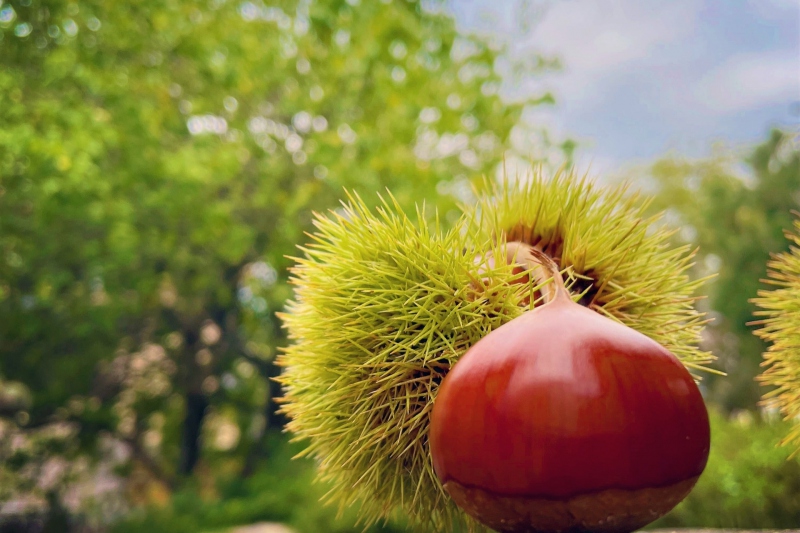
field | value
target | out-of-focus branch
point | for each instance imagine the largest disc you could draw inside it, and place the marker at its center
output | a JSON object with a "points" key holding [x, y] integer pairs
{"points": [[152, 466]]}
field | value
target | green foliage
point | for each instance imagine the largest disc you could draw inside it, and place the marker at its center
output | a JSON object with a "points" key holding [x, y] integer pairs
{"points": [[156, 148], [749, 483], [23, 456], [158, 161], [282, 490], [736, 215]]}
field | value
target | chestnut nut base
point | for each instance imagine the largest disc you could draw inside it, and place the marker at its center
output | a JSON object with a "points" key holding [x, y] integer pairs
{"points": [[607, 511]]}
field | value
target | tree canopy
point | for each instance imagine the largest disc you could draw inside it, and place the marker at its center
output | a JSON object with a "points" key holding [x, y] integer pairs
{"points": [[735, 209], [158, 163]]}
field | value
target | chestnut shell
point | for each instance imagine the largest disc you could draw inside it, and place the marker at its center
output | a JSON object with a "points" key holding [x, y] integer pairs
{"points": [[564, 412]]}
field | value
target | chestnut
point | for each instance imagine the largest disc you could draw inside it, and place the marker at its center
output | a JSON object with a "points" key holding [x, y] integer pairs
{"points": [[564, 420]]}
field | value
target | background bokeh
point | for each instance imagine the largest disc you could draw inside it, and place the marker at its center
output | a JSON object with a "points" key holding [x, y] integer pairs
{"points": [[161, 160]]}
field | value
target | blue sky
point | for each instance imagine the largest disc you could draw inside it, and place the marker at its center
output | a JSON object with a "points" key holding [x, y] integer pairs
{"points": [[643, 78]]}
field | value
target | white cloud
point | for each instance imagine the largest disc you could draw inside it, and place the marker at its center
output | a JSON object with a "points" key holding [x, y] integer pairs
{"points": [[773, 9], [641, 76], [596, 35], [598, 39], [748, 81], [598, 167]]}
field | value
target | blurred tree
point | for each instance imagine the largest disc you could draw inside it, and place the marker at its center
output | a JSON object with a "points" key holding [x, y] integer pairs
{"points": [[736, 214], [159, 161]]}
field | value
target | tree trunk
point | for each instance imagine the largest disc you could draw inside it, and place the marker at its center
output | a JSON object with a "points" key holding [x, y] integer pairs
{"points": [[274, 420], [196, 405]]}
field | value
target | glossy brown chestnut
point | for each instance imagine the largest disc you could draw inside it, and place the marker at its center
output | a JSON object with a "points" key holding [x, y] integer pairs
{"points": [[563, 420]]}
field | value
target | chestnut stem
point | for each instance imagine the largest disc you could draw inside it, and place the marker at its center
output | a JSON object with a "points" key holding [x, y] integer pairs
{"points": [[541, 266]]}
